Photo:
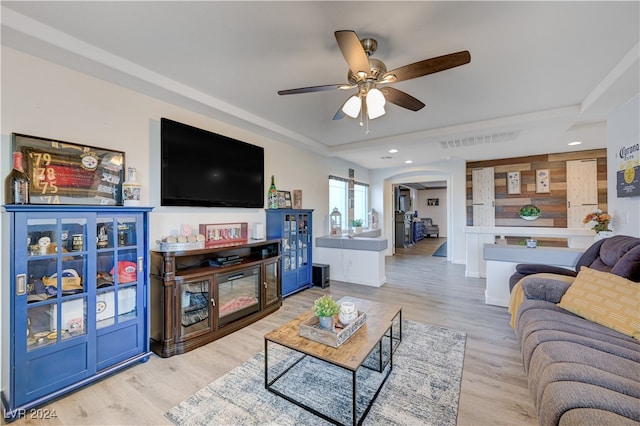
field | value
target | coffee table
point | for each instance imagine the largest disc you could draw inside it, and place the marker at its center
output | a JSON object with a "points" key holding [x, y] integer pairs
{"points": [[382, 320]]}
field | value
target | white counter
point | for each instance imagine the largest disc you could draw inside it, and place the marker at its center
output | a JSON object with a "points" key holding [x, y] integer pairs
{"points": [[358, 260], [501, 261], [477, 236]]}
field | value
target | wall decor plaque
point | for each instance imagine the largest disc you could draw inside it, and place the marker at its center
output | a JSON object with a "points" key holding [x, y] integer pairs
{"points": [[543, 181], [513, 182], [69, 173]]}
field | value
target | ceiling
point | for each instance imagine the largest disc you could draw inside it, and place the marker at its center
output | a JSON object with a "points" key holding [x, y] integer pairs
{"points": [[542, 74]]}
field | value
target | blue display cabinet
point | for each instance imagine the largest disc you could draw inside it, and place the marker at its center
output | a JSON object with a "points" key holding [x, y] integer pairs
{"points": [[76, 301], [295, 227]]}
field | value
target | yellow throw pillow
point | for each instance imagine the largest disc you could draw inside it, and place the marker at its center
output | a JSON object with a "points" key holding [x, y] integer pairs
{"points": [[606, 299]]}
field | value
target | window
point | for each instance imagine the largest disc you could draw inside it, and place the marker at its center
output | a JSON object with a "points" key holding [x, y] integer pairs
{"points": [[338, 198]]}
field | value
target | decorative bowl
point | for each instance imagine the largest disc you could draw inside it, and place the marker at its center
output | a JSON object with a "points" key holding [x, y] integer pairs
{"points": [[530, 212]]}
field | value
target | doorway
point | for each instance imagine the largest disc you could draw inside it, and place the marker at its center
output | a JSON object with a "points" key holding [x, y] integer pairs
{"points": [[418, 201]]}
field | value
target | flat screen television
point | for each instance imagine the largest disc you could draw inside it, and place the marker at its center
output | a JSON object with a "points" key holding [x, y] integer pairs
{"points": [[204, 169]]}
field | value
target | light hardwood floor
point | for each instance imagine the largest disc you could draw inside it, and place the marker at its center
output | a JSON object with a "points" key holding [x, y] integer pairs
{"points": [[430, 289]]}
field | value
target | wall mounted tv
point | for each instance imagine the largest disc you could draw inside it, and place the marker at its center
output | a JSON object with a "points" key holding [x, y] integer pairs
{"points": [[204, 169]]}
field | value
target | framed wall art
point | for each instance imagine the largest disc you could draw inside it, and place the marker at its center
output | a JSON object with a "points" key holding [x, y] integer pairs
{"points": [[542, 181], [433, 201], [69, 173], [284, 200], [513, 182]]}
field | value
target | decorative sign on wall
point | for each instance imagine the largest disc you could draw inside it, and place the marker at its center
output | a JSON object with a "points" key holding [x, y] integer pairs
{"points": [[513, 182], [542, 181], [433, 201], [68, 173], [628, 174]]}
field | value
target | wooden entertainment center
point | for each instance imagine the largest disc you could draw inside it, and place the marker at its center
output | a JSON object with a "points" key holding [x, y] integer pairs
{"points": [[198, 296]]}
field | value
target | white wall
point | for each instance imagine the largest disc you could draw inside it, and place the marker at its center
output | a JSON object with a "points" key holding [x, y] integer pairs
{"points": [[44, 99], [623, 130]]}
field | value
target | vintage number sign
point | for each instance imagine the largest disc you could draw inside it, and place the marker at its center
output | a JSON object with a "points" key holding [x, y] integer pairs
{"points": [[68, 173]]}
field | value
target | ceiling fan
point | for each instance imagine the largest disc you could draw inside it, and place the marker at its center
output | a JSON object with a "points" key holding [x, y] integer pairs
{"points": [[371, 78]]}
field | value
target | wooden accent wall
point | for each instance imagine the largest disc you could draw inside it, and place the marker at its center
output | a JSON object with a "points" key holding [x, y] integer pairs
{"points": [[552, 204]]}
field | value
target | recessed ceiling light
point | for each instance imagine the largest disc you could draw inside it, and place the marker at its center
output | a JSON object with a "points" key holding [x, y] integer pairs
{"points": [[393, 151], [575, 143], [408, 161]]}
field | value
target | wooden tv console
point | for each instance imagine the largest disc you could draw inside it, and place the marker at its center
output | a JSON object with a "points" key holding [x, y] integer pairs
{"points": [[198, 296]]}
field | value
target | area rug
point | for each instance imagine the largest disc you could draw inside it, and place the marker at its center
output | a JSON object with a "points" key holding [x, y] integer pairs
{"points": [[441, 251], [423, 387]]}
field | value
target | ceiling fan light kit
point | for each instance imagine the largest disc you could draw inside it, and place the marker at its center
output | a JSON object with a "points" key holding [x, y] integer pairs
{"points": [[366, 74]]}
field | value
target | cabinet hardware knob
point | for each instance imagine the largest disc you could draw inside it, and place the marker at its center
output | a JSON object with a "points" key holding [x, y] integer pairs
{"points": [[213, 302]]}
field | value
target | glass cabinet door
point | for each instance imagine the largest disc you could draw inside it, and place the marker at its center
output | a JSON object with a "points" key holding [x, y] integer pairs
{"points": [[194, 306], [303, 239], [56, 280], [270, 283], [116, 270], [290, 242]]}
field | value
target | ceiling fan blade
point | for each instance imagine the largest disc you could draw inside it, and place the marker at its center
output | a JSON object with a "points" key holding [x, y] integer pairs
{"points": [[402, 99], [430, 66], [311, 89], [353, 52], [339, 114]]}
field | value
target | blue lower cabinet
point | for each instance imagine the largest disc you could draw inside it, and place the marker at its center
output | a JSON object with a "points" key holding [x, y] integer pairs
{"points": [[78, 299], [295, 228]]}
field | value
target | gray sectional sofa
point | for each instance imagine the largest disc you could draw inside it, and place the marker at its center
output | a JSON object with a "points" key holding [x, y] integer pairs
{"points": [[580, 372]]}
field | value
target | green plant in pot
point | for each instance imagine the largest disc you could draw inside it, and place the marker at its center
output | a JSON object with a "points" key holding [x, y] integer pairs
{"points": [[325, 309], [529, 212]]}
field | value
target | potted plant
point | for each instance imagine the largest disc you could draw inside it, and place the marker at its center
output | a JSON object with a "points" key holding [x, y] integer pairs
{"points": [[325, 309], [529, 212], [356, 224], [600, 223]]}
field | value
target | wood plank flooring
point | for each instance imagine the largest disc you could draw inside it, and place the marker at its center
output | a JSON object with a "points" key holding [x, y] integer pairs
{"points": [[430, 289]]}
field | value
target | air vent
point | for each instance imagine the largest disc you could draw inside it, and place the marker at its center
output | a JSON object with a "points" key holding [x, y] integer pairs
{"points": [[480, 140]]}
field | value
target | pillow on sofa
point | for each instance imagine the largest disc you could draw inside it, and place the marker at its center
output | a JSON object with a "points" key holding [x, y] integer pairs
{"points": [[606, 299]]}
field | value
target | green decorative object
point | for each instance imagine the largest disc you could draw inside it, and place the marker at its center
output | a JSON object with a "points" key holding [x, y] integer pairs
{"points": [[530, 212], [325, 306]]}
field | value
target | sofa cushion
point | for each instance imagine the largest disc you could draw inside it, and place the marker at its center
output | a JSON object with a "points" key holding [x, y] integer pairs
{"points": [[594, 416], [628, 266], [560, 398], [606, 299]]}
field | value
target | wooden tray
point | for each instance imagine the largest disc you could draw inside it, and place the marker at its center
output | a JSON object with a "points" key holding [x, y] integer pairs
{"points": [[311, 330]]}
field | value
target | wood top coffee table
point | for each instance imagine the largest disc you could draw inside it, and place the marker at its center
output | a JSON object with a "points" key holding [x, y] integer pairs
{"points": [[383, 320]]}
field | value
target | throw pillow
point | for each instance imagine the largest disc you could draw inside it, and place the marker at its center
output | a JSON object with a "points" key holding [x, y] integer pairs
{"points": [[606, 299]]}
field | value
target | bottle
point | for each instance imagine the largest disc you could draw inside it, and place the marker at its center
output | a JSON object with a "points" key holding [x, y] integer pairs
{"points": [[131, 189], [17, 182], [272, 195]]}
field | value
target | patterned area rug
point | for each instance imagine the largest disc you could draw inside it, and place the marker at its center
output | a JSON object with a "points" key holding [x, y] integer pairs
{"points": [[441, 251], [423, 387]]}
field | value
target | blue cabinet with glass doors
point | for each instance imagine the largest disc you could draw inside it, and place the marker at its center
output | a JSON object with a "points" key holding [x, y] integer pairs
{"points": [[294, 226], [78, 299]]}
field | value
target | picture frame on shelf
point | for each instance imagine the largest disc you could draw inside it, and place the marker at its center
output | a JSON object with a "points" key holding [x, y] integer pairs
{"points": [[284, 200], [297, 198], [513, 183], [543, 180], [69, 173], [224, 234]]}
